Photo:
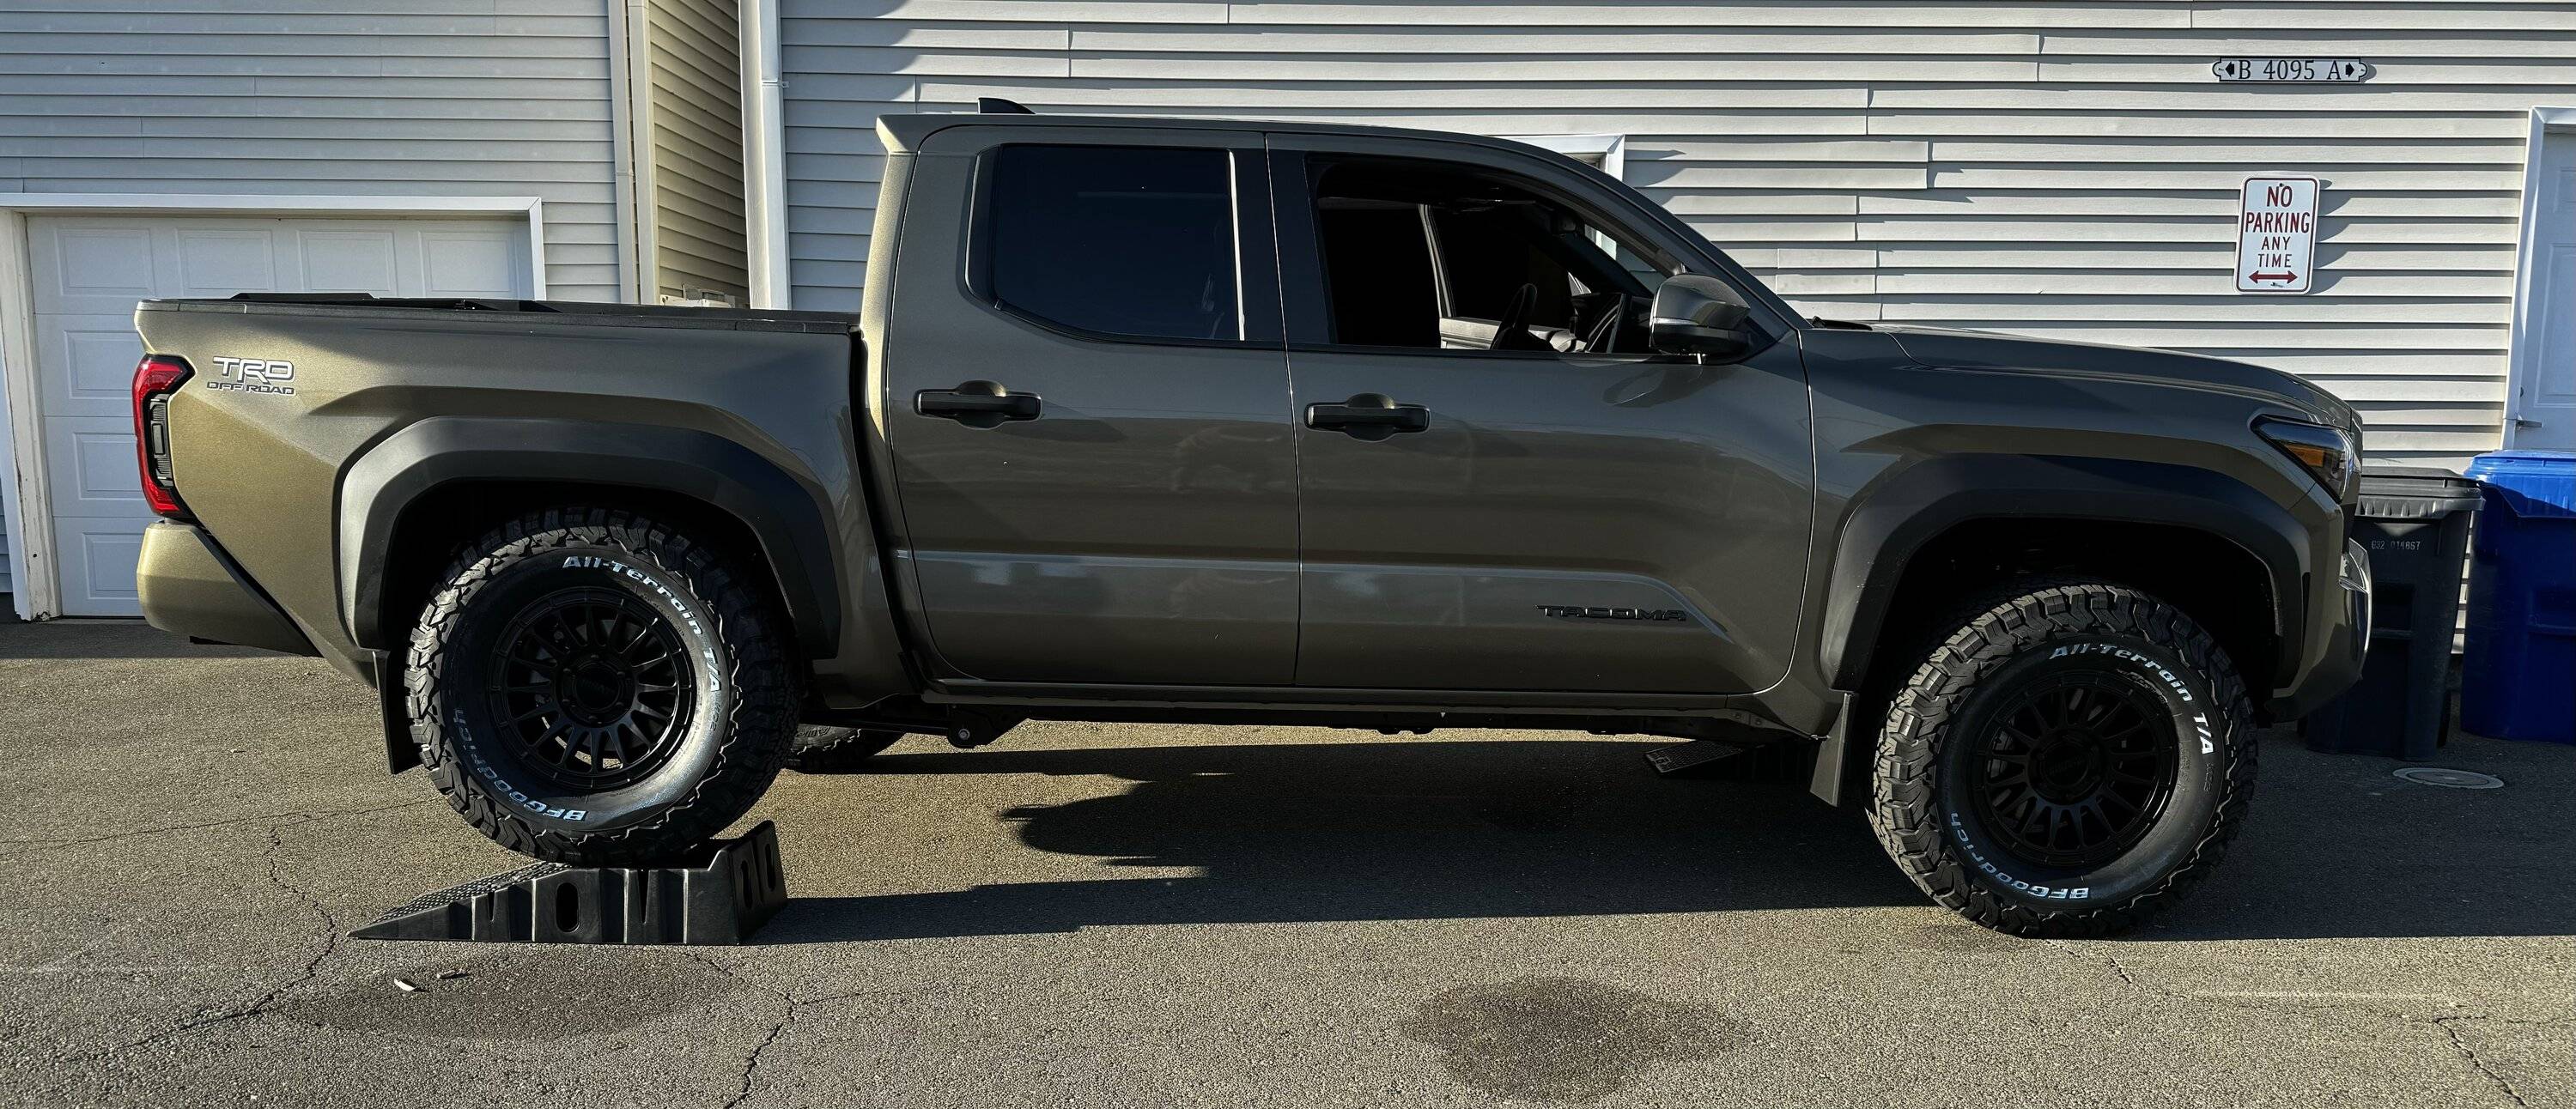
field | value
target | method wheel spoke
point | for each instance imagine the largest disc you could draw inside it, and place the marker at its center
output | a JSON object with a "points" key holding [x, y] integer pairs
{"points": [[2075, 767], [590, 686]]}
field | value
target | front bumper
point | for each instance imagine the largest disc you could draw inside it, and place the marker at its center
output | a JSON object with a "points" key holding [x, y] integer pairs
{"points": [[2344, 638], [190, 587]]}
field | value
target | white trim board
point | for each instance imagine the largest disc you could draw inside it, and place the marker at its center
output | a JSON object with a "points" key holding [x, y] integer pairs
{"points": [[2547, 125], [764, 157], [25, 503], [1610, 152]]}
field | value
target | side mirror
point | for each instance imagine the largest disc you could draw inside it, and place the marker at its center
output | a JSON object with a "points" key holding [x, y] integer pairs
{"points": [[1697, 314]]}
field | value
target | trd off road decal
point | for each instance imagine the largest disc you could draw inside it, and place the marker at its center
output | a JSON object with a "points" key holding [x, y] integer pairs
{"points": [[253, 375], [689, 616], [516, 795], [2199, 721]]}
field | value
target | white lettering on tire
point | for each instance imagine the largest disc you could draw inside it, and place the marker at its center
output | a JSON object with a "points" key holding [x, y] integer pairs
{"points": [[493, 777], [1959, 831], [714, 673]]}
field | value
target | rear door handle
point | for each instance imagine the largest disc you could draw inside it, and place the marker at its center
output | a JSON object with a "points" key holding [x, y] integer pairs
{"points": [[978, 404], [1370, 416]]}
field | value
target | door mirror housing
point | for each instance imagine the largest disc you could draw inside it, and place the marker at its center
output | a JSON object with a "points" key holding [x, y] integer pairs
{"points": [[1698, 314]]}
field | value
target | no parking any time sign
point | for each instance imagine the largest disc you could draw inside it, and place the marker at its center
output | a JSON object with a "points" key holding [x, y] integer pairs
{"points": [[2276, 235]]}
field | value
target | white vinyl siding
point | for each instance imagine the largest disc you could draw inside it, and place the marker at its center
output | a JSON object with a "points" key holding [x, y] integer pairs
{"points": [[303, 97], [2063, 169], [692, 76], [380, 98]]}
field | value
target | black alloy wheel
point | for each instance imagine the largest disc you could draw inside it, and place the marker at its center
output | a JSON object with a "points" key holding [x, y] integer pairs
{"points": [[591, 687], [2076, 769]]}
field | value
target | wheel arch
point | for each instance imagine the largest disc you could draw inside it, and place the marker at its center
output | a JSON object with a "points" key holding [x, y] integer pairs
{"points": [[430, 469], [1988, 501]]}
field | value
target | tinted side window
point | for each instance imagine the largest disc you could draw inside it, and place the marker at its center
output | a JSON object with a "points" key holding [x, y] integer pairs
{"points": [[1120, 240], [1378, 274]]}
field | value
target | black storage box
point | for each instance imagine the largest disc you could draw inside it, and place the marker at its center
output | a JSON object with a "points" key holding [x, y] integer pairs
{"points": [[2414, 521]]}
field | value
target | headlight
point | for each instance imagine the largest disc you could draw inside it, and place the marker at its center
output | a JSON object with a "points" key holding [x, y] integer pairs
{"points": [[2331, 454]]}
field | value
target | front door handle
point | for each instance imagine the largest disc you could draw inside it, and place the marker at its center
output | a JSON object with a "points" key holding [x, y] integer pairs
{"points": [[1369, 416], [977, 404]]}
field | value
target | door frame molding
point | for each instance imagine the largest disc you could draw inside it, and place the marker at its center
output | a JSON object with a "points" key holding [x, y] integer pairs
{"points": [[2523, 337], [26, 502]]}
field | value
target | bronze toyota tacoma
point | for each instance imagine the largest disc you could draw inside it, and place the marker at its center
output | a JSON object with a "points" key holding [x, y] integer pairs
{"points": [[1234, 422]]}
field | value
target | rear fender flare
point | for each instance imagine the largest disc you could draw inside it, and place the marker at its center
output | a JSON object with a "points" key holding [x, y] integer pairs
{"points": [[1894, 519], [786, 516]]}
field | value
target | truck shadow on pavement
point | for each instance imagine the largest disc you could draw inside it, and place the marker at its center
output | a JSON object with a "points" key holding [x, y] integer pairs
{"points": [[1400, 830], [1426, 829]]}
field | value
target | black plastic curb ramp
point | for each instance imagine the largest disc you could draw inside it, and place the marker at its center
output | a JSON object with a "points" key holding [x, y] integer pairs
{"points": [[721, 895]]}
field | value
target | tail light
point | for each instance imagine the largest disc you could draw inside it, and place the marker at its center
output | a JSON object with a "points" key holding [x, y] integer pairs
{"points": [[155, 378]]}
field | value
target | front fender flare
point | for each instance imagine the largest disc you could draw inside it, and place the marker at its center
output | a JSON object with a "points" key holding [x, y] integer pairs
{"points": [[786, 516], [1891, 521]]}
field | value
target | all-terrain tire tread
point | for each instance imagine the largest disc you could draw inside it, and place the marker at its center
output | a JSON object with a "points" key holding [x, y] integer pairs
{"points": [[1986, 635]]}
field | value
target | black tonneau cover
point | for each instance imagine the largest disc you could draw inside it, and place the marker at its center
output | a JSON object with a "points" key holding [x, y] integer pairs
{"points": [[567, 311]]}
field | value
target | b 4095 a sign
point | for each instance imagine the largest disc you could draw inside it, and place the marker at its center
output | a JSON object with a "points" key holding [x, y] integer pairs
{"points": [[2292, 70]]}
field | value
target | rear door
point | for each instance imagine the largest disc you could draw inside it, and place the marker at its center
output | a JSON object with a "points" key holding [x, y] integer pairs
{"points": [[1086, 406], [1560, 510]]}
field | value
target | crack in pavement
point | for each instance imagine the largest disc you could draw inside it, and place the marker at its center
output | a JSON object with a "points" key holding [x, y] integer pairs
{"points": [[312, 966], [2458, 1044], [320, 815], [777, 1028], [2461, 1045]]}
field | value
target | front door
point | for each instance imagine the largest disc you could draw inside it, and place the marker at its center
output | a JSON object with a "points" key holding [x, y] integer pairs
{"points": [[1085, 402], [1501, 487], [2543, 406]]}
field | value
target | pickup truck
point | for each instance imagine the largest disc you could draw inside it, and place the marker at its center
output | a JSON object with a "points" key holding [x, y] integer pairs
{"points": [[1269, 423]]}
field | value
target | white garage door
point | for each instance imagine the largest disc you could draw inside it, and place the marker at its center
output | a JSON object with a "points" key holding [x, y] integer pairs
{"points": [[88, 271]]}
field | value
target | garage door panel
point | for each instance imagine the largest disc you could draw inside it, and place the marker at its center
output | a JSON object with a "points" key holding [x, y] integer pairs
{"points": [[217, 262], [97, 355], [96, 558], [90, 470], [356, 261], [83, 267], [89, 270], [465, 264]]}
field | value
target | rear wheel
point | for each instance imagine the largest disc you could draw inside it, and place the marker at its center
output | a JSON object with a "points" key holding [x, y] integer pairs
{"points": [[2068, 760], [592, 687]]}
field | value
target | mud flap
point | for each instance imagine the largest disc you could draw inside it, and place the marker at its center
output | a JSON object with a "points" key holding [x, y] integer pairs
{"points": [[402, 752], [1832, 752]]}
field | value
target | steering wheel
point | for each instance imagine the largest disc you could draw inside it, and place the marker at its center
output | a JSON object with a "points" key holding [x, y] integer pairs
{"points": [[1605, 331]]}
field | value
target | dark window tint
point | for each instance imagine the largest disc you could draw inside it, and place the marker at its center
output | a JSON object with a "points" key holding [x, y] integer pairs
{"points": [[1430, 256], [1120, 240], [1377, 270]]}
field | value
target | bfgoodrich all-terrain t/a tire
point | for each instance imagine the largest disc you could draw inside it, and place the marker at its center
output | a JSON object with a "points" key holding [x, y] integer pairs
{"points": [[592, 687], [2068, 760]]}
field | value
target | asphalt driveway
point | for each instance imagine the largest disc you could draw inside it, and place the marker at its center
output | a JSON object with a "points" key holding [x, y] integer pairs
{"points": [[1119, 915]]}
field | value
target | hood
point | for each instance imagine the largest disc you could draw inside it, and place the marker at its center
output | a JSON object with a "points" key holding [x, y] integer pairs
{"points": [[1941, 346]]}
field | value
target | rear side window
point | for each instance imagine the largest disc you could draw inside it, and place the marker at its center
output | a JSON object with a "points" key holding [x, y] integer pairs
{"points": [[1125, 241]]}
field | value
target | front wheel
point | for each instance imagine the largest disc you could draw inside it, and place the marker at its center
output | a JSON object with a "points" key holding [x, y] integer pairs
{"points": [[595, 688], [2067, 761]]}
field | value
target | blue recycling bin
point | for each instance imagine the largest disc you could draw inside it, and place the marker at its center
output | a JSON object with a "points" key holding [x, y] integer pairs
{"points": [[2518, 676]]}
